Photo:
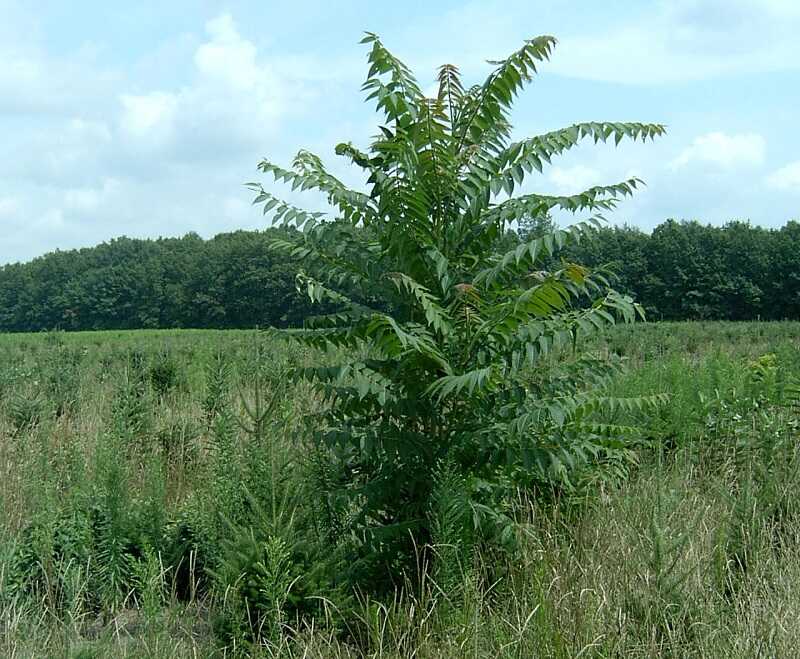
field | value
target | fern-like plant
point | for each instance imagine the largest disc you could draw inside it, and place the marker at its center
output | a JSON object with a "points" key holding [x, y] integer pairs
{"points": [[454, 360]]}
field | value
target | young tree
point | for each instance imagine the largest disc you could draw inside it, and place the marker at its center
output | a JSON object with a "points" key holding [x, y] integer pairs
{"points": [[457, 371]]}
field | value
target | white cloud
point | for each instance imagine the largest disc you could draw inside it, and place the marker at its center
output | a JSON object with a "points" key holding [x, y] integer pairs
{"points": [[33, 81], [24, 81], [233, 104], [786, 178], [228, 57], [572, 180], [51, 220], [9, 206], [161, 142], [81, 199], [237, 209], [684, 40], [90, 199], [723, 150], [235, 84], [94, 131], [129, 161], [147, 114], [648, 43], [60, 152]]}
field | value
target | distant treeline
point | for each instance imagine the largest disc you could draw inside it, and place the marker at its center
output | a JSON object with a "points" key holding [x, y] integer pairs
{"points": [[230, 281], [683, 270], [691, 271]]}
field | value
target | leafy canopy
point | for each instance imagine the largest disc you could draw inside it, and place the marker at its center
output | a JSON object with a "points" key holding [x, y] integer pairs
{"points": [[455, 359]]}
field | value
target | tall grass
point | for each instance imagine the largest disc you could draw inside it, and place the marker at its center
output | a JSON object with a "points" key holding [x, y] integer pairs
{"points": [[157, 500]]}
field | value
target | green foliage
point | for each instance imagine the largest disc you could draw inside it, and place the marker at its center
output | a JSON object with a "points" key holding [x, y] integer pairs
{"points": [[229, 281], [793, 395], [217, 373], [663, 604], [470, 353], [149, 582], [131, 407], [257, 575], [680, 270], [538, 226], [86, 552], [226, 477], [25, 412], [178, 437], [59, 379], [82, 508], [763, 506], [451, 538], [686, 270], [164, 374]]}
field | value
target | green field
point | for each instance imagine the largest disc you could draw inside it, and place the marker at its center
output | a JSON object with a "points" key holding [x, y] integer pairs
{"points": [[157, 500]]}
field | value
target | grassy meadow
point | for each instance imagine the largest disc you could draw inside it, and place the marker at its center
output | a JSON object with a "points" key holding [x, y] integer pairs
{"points": [[158, 499]]}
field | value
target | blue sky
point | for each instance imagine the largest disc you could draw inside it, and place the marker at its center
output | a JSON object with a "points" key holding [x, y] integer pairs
{"points": [[145, 119]]}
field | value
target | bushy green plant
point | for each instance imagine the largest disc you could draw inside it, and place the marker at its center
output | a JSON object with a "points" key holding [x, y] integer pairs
{"points": [[148, 578], [591, 580], [451, 361], [452, 538], [25, 411], [662, 604], [131, 407], [225, 492], [164, 373], [256, 576], [217, 375], [50, 548], [177, 437], [60, 377], [189, 551]]}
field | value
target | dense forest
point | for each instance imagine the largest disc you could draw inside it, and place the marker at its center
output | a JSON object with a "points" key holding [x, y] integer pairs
{"points": [[230, 281], [691, 271], [681, 271]]}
